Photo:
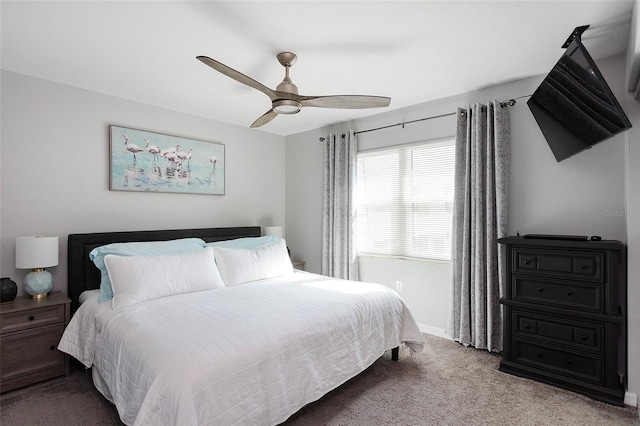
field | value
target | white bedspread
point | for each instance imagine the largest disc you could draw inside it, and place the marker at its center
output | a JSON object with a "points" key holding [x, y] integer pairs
{"points": [[252, 354]]}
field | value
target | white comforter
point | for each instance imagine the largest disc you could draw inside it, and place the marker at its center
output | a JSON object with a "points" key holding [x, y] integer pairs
{"points": [[252, 354]]}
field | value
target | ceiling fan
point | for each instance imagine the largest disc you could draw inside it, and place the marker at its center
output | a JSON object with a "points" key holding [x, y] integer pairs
{"points": [[286, 100]]}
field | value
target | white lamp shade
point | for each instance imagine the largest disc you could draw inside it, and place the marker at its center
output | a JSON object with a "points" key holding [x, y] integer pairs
{"points": [[36, 252], [273, 231]]}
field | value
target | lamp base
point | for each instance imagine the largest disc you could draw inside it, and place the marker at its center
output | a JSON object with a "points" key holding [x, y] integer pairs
{"points": [[38, 283], [38, 296]]}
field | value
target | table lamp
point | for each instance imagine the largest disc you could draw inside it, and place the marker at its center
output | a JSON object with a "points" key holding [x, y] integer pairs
{"points": [[37, 253]]}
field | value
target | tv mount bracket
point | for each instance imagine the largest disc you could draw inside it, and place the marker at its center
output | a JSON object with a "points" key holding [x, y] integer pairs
{"points": [[575, 34]]}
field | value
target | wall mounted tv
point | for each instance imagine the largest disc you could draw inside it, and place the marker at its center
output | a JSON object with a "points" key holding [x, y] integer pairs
{"points": [[574, 106]]}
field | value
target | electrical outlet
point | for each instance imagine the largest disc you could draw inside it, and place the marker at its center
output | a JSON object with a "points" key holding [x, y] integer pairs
{"points": [[399, 285]]}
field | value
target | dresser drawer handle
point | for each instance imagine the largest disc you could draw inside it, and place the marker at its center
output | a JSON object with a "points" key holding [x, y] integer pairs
{"points": [[569, 361], [584, 337], [583, 267], [525, 262], [569, 293], [540, 289], [527, 327], [52, 348], [31, 317], [540, 354]]}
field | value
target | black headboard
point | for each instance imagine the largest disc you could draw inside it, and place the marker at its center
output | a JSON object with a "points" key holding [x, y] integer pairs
{"points": [[83, 274]]}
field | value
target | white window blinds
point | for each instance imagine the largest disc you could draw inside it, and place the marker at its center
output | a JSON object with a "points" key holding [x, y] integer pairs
{"points": [[404, 201]]}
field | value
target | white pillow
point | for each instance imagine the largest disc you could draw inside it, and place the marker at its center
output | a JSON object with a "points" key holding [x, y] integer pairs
{"points": [[239, 266], [138, 278]]}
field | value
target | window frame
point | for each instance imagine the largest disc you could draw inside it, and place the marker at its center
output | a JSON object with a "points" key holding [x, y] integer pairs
{"points": [[404, 197]]}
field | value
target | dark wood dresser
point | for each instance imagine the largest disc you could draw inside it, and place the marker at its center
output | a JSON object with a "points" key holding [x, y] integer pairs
{"points": [[565, 314]]}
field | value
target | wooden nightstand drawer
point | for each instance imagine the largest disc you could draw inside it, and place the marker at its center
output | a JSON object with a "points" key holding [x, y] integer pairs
{"points": [[24, 320], [32, 353]]}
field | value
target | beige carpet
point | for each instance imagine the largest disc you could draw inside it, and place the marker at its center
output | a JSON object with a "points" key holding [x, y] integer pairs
{"points": [[447, 384]]}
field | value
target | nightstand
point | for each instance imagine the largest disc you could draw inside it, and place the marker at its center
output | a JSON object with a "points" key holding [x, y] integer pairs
{"points": [[30, 330], [298, 264]]}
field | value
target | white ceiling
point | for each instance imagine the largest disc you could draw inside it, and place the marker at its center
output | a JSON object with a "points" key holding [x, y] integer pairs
{"points": [[411, 51]]}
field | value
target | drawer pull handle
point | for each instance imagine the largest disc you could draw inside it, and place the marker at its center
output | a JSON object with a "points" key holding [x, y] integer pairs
{"points": [[527, 327], [583, 337], [569, 293], [51, 348], [583, 267], [540, 289], [525, 262], [540, 354], [569, 361], [31, 317]]}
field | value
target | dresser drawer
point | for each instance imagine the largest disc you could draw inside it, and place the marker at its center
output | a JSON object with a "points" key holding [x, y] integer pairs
{"points": [[570, 294], [580, 366], [32, 352], [574, 265], [558, 330], [24, 320]]}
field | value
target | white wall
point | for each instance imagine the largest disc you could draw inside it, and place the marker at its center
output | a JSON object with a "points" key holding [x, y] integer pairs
{"points": [[304, 189], [570, 197], [425, 287], [55, 170], [632, 212], [632, 216]]}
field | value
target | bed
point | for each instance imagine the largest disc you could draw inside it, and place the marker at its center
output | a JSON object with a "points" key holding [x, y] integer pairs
{"points": [[252, 345]]}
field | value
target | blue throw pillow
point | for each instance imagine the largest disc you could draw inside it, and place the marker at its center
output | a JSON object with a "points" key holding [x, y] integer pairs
{"points": [[247, 243]]}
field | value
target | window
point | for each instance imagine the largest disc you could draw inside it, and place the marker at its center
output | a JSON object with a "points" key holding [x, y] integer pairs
{"points": [[404, 201]]}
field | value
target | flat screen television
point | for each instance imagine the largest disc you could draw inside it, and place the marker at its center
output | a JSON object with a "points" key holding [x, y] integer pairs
{"points": [[574, 106]]}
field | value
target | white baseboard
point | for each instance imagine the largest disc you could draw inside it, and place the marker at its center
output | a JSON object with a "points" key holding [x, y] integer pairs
{"points": [[630, 398], [434, 331]]}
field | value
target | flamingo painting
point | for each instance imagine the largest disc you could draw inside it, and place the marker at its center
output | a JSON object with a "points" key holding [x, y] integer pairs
{"points": [[168, 163], [132, 148]]}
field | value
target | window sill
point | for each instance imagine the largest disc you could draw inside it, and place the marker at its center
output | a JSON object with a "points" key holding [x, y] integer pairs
{"points": [[405, 258]]}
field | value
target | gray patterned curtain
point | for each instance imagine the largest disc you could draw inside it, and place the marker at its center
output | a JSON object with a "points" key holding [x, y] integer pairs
{"points": [[479, 219], [338, 221]]}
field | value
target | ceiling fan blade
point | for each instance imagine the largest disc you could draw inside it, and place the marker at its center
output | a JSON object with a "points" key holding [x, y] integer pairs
{"points": [[345, 101], [264, 118], [237, 75]]}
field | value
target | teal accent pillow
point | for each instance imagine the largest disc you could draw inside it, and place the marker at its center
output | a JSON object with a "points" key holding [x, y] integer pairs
{"points": [[247, 243], [147, 248]]}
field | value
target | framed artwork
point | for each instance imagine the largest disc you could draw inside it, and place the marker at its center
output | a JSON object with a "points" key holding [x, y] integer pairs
{"points": [[154, 162]]}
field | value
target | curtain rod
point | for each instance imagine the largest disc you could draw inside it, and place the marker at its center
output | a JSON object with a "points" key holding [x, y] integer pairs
{"points": [[503, 104]]}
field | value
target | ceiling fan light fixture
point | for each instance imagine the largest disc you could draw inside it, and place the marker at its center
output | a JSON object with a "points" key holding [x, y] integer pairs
{"points": [[286, 106]]}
